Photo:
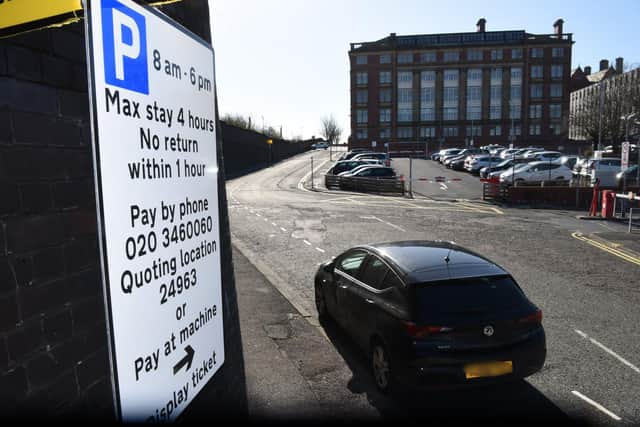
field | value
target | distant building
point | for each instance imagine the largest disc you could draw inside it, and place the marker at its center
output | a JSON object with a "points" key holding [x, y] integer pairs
{"points": [[581, 79], [462, 87]]}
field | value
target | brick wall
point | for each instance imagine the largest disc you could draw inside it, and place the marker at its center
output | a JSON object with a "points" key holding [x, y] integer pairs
{"points": [[53, 343]]}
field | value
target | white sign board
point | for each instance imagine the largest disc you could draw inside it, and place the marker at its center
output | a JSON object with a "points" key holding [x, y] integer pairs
{"points": [[625, 155], [373, 144], [153, 116]]}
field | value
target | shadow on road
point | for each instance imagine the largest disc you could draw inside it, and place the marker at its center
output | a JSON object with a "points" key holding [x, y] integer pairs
{"points": [[517, 403]]}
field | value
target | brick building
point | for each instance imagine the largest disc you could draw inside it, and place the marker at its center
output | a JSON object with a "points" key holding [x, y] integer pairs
{"points": [[462, 88]]}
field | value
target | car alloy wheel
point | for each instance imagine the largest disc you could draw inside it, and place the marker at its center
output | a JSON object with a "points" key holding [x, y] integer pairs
{"points": [[381, 367]]}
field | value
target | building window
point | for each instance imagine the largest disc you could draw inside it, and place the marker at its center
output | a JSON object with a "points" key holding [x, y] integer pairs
{"points": [[516, 53], [495, 93], [405, 76], [451, 56], [385, 77], [385, 133], [514, 130], [362, 134], [428, 76], [474, 55], [557, 52], [496, 75], [405, 114], [555, 128], [385, 95], [428, 57], [495, 112], [516, 74], [534, 129], [535, 111], [556, 71], [475, 74], [361, 59], [427, 114], [474, 131], [496, 54], [385, 115], [536, 52], [450, 95], [427, 95], [427, 132], [516, 93], [450, 76], [474, 112], [555, 111], [361, 96], [556, 90], [536, 71], [385, 59], [405, 132], [474, 94], [514, 111], [495, 130], [362, 78], [362, 116], [405, 58], [535, 91], [405, 95], [450, 131], [450, 113]]}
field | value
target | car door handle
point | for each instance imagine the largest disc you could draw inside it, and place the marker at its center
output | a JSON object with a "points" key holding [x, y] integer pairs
{"points": [[369, 301]]}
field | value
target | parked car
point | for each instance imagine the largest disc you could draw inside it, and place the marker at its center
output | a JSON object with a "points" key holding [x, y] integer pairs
{"points": [[348, 155], [604, 170], [502, 166], [319, 145], [568, 161], [431, 314], [478, 162], [537, 172], [347, 165], [531, 152], [383, 157], [450, 153], [370, 171], [519, 164], [631, 175], [435, 156], [507, 153], [545, 156], [462, 155]]}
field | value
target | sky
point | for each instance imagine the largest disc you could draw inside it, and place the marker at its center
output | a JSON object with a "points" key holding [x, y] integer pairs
{"points": [[285, 62]]}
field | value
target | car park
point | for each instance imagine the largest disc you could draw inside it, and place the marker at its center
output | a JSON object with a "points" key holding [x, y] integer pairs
{"points": [[508, 152], [545, 156], [347, 165], [452, 152], [383, 157], [531, 152], [537, 172], [348, 155], [568, 161], [431, 313], [348, 179], [499, 167], [462, 155]]}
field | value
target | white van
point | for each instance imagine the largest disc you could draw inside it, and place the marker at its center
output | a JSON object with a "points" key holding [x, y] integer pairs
{"points": [[603, 169]]}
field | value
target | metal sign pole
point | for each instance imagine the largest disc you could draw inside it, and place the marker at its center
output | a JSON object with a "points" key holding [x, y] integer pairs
{"points": [[311, 173], [411, 177]]}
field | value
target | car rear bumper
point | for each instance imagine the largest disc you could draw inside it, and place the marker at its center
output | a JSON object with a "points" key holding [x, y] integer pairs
{"points": [[446, 369]]}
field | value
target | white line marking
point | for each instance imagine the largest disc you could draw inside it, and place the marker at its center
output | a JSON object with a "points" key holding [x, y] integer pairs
{"points": [[443, 186], [283, 229], [306, 242], [265, 219], [608, 350], [259, 215], [384, 222], [274, 224], [596, 405], [320, 250]]}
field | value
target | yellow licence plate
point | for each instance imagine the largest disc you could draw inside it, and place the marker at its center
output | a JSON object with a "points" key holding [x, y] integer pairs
{"points": [[488, 369]]}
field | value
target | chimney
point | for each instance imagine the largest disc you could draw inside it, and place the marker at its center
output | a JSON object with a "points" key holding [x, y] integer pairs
{"points": [[587, 70], [480, 25], [557, 27], [604, 64], [619, 65], [392, 35]]}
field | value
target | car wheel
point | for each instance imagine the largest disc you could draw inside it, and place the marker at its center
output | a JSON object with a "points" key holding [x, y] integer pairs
{"points": [[321, 305], [381, 367]]}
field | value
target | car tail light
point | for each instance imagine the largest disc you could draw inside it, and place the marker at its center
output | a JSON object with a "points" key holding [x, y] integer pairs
{"points": [[533, 318], [416, 331]]}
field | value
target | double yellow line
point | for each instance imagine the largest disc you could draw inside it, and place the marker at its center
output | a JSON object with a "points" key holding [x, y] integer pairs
{"points": [[625, 256]]}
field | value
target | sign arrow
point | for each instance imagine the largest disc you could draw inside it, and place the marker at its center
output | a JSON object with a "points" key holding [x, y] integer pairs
{"points": [[185, 360]]}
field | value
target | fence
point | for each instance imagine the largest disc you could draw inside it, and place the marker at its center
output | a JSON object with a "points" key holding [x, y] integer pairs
{"points": [[366, 185]]}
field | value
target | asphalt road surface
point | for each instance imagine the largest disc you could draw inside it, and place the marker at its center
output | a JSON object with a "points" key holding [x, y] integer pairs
{"points": [[590, 297]]}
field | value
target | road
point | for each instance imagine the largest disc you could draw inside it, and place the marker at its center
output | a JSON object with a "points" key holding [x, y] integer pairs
{"points": [[589, 296]]}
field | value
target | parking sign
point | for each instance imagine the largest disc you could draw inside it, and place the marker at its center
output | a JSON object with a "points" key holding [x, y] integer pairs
{"points": [[625, 155]]}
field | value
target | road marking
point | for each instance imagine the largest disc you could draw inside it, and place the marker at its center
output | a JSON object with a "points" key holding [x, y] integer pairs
{"points": [[608, 350], [596, 405], [257, 214], [319, 250], [283, 229], [274, 224], [612, 251], [307, 242], [384, 222], [304, 178], [443, 186]]}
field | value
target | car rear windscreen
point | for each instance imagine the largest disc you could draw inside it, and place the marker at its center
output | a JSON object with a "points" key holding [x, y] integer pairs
{"points": [[455, 300]]}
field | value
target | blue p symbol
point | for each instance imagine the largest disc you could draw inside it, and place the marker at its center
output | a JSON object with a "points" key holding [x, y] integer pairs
{"points": [[124, 37]]}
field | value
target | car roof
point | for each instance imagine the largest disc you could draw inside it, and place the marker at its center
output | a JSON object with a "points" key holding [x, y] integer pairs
{"points": [[419, 261]]}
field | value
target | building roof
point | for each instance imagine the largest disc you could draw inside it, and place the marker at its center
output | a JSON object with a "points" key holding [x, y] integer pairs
{"points": [[482, 38], [600, 75]]}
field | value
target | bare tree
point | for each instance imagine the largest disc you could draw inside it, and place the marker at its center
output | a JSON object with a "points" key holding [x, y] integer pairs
{"points": [[330, 129]]}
